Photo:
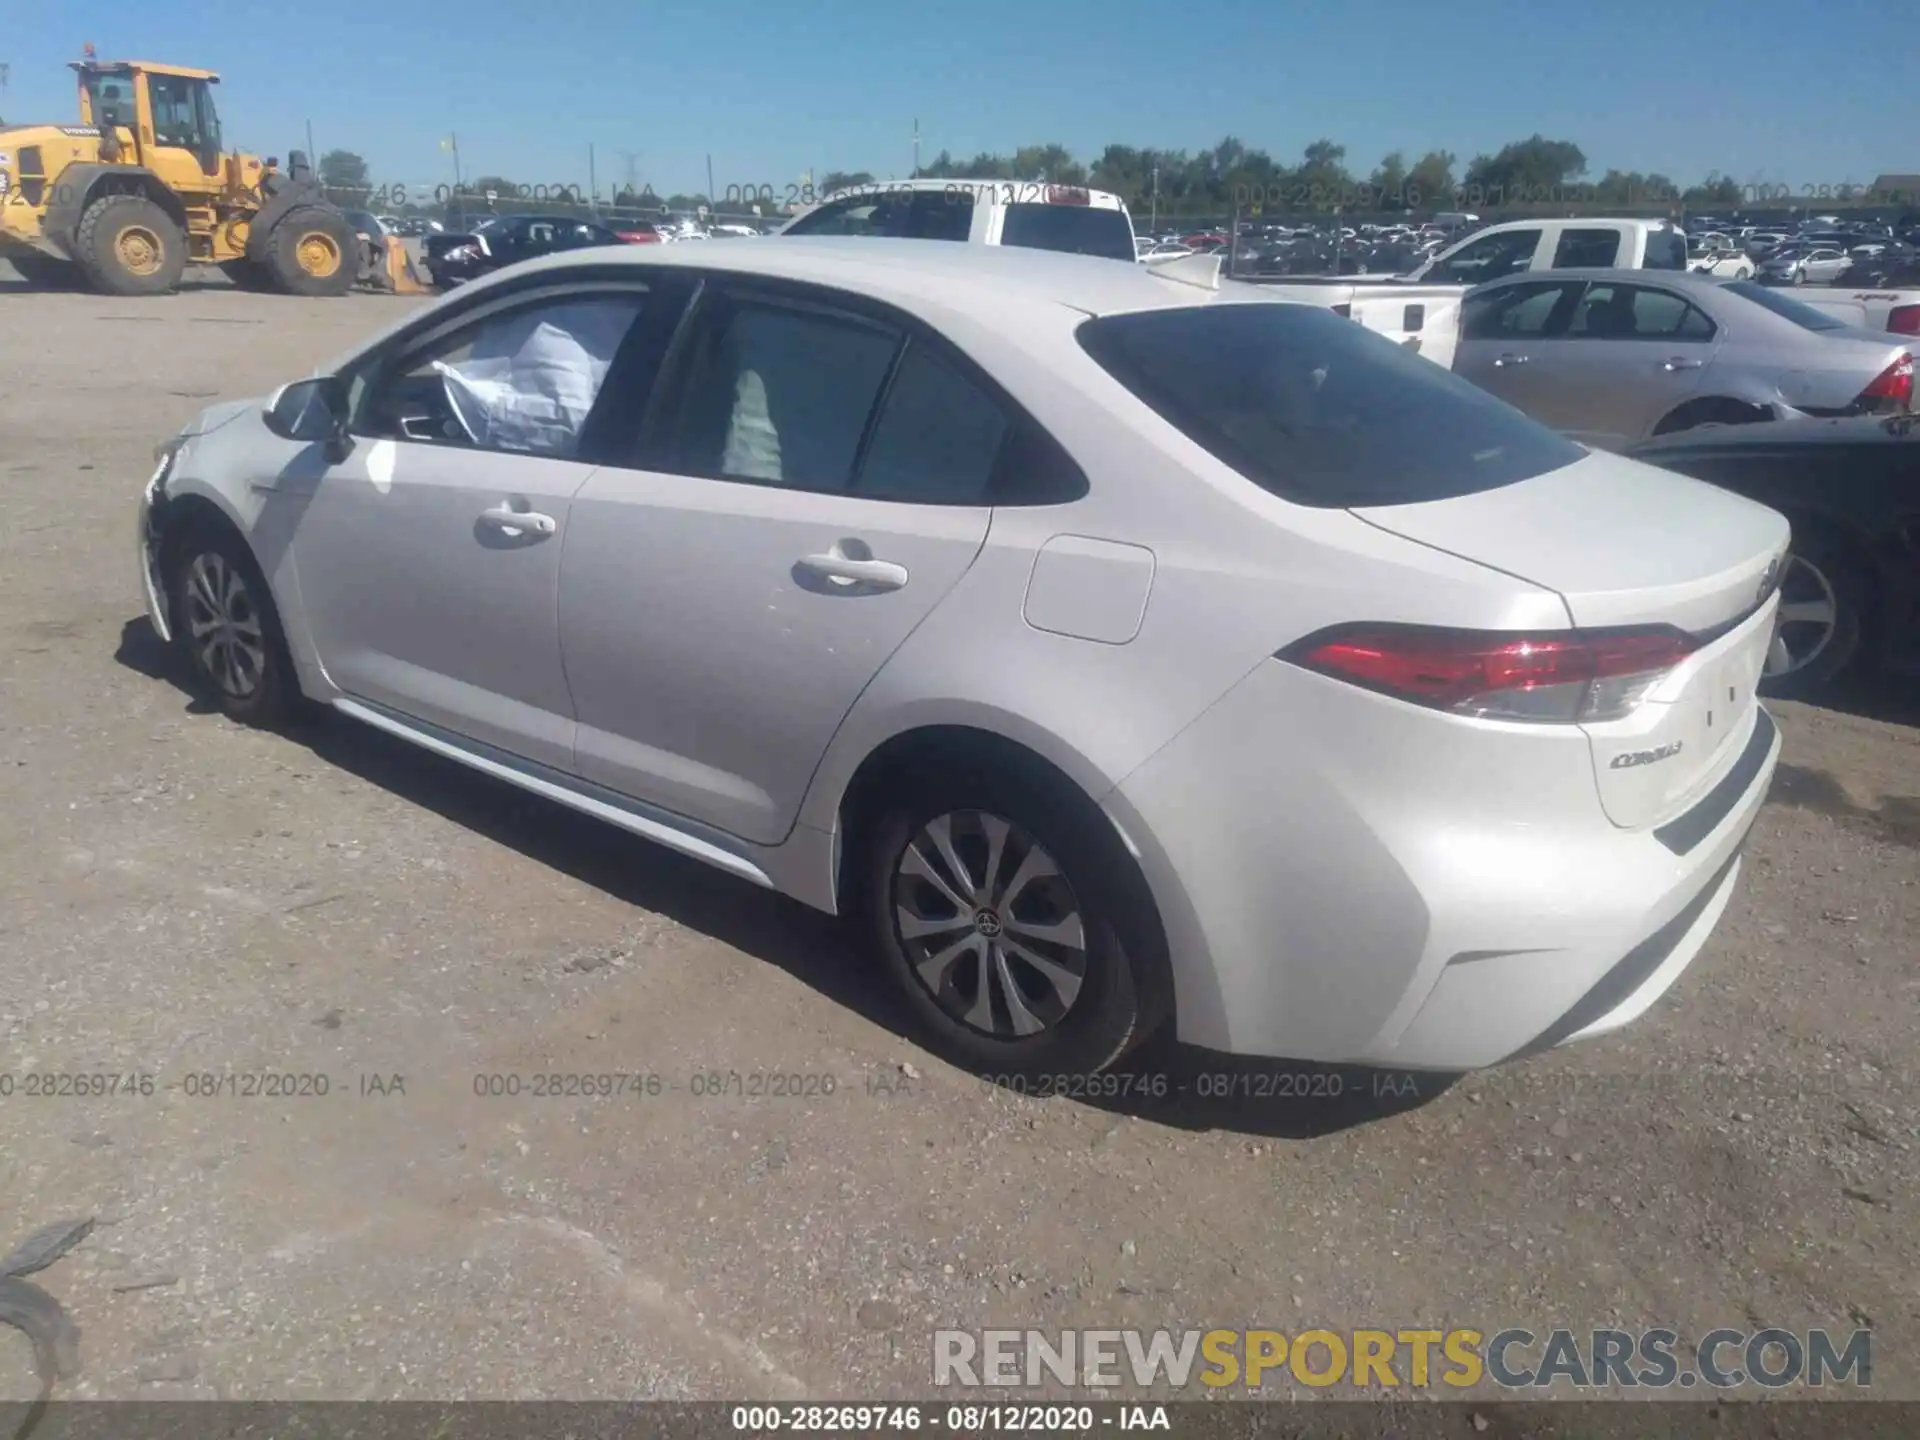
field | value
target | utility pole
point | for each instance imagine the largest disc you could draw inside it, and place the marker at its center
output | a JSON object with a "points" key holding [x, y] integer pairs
{"points": [[593, 183], [313, 155], [713, 201], [1153, 213], [915, 172]]}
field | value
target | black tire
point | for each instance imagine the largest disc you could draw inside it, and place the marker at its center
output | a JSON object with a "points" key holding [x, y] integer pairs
{"points": [[325, 237], [1123, 994], [1820, 565], [1711, 411], [213, 550], [43, 272], [128, 245]]}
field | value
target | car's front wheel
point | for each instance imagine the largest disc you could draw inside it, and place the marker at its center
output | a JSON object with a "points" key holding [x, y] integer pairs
{"points": [[224, 622], [1014, 925]]}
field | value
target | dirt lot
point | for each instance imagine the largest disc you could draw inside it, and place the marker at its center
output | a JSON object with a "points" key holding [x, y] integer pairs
{"points": [[179, 896]]}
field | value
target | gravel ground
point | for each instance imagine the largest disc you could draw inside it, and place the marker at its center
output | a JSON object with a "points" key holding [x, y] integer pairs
{"points": [[180, 896]]}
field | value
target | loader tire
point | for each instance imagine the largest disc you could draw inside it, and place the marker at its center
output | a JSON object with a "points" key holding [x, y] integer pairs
{"points": [[314, 251], [127, 245]]}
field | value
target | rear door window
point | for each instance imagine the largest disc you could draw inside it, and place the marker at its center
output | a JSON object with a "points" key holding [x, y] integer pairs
{"points": [[938, 437], [779, 394], [1319, 410], [1077, 229], [1586, 250], [1635, 312]]}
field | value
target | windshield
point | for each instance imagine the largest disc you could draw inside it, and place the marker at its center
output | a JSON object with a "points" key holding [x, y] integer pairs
{"points": [[1805, 316], [1317, 409], [109, 92]]}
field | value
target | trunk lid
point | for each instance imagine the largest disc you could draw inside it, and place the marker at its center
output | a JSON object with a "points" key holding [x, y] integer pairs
{"points": [[1624, 543]]}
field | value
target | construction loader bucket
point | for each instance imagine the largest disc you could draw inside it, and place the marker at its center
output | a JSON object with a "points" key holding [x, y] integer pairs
{"points": [[402, 277]]}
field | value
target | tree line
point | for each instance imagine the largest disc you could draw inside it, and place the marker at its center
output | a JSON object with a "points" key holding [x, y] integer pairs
{"points": [[1218, 181]]}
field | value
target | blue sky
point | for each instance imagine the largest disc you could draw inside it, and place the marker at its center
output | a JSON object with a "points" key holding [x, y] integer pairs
{"points": [[1766, 90]]}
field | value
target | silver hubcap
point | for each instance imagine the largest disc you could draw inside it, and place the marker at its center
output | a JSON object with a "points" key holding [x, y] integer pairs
{"points": [[1803, 625], [989, 924], [223, 626]]}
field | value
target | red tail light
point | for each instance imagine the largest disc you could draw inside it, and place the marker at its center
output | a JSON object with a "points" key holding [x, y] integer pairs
{"points": [[1564, 677], [1904, 320], [1894, 384], [1067, 195]]}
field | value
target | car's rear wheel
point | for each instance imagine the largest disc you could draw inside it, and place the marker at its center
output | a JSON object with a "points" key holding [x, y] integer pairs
{"points": [[1013, 925], [1709, 412], [1817, 629], [226, 626]]}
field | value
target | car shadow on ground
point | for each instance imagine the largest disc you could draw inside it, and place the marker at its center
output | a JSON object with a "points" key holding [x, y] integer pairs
{"points": [[1874, 695], [194, 279], [1166, 1082]]}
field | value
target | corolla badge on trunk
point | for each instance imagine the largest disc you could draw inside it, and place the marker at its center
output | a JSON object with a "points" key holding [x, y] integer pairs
{"points": [[1633, 758]]}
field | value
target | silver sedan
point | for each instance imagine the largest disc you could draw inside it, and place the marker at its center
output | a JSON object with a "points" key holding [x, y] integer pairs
{"points": [[1610, 357], [1821, 265]]}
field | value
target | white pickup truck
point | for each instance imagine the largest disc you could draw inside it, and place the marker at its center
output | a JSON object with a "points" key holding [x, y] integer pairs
{"points": [[1894, 310], [1423, 318], [1517, 245]]}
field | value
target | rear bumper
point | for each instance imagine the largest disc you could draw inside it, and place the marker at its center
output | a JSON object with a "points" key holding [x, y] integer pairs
{"points": [[1430, 907]]}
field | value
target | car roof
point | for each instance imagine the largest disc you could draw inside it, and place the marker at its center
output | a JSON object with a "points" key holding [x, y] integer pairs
{"points": [[971, 187], [961, 278]]}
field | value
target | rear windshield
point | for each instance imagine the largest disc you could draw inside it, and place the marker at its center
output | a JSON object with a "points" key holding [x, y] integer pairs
{"points": [[1078, 229], [1318, 409], [1805, 316]]}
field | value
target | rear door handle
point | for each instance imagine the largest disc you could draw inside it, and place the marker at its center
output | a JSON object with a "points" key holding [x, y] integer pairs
{"points": [[879, 574], [1506, 360], [517, 522], [1680, 363]]}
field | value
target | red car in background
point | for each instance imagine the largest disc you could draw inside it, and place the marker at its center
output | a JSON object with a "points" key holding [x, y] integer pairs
{"points": [[637, 232]]}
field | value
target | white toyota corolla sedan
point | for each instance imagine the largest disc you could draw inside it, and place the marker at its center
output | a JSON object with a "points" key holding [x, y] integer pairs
{"points": [[1119, 646]]}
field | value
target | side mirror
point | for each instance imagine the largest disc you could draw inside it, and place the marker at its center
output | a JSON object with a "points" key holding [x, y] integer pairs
{"points": [[313, 412]]}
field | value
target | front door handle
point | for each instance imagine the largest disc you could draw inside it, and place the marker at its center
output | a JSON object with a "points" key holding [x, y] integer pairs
{"points": [[1506, 360], [509, 521], [1679, 362], [845, 571]]}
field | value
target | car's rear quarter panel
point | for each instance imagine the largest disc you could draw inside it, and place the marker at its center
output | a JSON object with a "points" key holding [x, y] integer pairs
{"points": [[1238, 573]]}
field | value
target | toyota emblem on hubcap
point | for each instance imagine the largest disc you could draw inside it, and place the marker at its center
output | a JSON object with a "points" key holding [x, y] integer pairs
{"points": [[987, 923]]}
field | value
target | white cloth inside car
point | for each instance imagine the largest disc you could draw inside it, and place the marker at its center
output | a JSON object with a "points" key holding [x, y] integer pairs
{"points": [[753, 445], [530, 378]]}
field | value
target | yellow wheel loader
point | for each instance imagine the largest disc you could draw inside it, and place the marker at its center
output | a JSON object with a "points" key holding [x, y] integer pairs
{"points": [[140, 188]]}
